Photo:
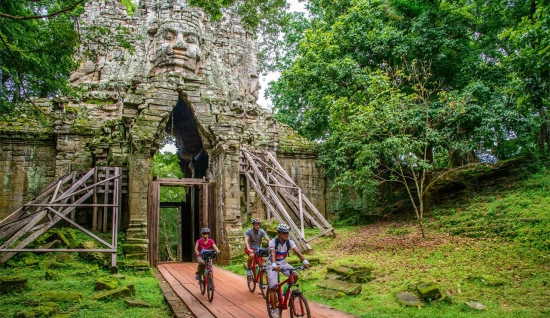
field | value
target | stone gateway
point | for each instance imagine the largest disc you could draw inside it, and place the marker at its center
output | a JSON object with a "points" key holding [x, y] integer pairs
{"points": [[181, 74]]}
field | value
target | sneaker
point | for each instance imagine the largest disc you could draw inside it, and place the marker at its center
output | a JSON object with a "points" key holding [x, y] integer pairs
{"points": [[275, 314], [249, 272], [197, 277]]}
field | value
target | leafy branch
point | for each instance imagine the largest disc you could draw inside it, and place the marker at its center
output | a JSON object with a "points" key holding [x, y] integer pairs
{"points": [[43, 16]]}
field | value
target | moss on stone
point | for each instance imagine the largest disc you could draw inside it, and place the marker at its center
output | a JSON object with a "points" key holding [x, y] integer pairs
{"points": [[46, 310], [61, 296]]}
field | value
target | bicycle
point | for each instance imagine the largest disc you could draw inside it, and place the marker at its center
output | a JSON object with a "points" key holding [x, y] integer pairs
{"points": [[291, 297], [259, 273], [207, 282]]}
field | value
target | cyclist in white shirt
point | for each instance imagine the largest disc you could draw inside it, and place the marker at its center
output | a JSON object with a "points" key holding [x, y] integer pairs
{"points": [[278, 249]]}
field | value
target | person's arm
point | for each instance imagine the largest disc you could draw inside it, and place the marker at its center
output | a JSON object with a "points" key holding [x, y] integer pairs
{"points": [[197, 248], [216, 248], [267, 239], [302, 257], [273, 258], [246, 244]]}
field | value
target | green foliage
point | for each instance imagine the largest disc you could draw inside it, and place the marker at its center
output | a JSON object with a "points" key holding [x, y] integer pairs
{"points": [[518, 213], [346, 83], [130, 5], [168, 235], [166, 165], [80, 276], [36, 55]]}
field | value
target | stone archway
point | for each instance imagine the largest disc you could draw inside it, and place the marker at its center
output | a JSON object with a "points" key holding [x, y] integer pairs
{"points": [[179, 57]]}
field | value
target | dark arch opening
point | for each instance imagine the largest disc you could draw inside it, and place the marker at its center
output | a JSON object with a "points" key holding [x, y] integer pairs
{"points": [[190, 149], [193, 162]]}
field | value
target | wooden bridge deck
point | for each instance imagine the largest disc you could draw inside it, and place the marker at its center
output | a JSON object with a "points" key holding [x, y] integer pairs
{"points": [[231, 299]]}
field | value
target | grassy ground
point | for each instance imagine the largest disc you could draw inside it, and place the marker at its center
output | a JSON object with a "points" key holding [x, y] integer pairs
{"points": [[492, 247], [78, 275]]}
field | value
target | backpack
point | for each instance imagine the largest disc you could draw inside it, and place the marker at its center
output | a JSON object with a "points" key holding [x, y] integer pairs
{"points": [[277, 242]]}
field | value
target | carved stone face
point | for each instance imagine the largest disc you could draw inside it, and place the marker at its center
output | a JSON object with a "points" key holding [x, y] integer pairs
{"points": [[176, 47]]}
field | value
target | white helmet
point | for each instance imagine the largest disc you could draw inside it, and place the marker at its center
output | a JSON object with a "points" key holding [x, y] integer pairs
{"points": [[283, 228]]}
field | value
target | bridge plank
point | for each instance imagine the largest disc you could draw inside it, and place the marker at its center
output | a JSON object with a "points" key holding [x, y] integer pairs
{"points": [[232, 298]]}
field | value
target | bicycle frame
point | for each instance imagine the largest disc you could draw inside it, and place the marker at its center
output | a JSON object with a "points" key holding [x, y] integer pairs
{"points": [[207, 268], [257, 263], [291, 283]]}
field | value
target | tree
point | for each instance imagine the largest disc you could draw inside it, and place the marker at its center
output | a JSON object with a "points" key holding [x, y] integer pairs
{"points": [[389, 135], [353, 50], [528, 60], [37, 45]]}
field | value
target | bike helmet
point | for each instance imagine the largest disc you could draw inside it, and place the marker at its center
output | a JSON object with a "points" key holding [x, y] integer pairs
{"points": [[205, 230], [256, 221], [283, 228]]}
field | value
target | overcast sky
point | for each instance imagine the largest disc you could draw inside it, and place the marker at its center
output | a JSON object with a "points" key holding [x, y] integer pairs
{"points": [[264, 80]]}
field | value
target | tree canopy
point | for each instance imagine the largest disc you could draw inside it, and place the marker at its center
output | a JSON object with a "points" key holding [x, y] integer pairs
{"points": [[351, 82], [37, 46]]}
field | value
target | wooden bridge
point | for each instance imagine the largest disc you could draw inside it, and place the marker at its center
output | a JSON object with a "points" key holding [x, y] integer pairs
{"points": [[231, 298]]}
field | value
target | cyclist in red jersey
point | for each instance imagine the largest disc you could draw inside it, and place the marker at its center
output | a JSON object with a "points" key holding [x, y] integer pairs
{"points": [[204, 243]]}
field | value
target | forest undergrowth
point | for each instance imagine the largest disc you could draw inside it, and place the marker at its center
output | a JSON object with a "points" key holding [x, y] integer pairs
{"points": [[490, 246]]}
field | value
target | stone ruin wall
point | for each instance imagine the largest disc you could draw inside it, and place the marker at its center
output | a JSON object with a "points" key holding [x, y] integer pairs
{"points": [[126, 103]]}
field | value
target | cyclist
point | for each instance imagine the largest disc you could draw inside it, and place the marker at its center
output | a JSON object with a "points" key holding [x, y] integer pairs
{"points": [[252, 241], [279, 248], [204, 243]]}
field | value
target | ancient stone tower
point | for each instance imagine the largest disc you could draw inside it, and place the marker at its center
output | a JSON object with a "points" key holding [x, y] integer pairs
{"points": [[181, 74]]}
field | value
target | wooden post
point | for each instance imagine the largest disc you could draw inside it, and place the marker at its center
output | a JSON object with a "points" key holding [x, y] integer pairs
{"points": [[94, 209], [180, 256], [301, 212], [106, 200]]}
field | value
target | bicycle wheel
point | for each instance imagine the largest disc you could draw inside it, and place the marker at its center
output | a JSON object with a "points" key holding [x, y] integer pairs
{"points": [[263, 283], [250, 279], [210, 288], [270, 309], [202, 284], [298, 305]]}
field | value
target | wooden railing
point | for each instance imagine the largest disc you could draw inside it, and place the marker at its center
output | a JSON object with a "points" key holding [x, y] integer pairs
{"points": [[58, 202]]}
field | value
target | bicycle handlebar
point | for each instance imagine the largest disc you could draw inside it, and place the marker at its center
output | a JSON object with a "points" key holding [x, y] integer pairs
{"points": [[301, 267]]}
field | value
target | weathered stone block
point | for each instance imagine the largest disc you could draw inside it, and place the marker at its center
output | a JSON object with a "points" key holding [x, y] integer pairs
{"points": [[137, 303], [10, 284], [46, 310], [428, 291], [113, 294], [61, 296], [408, 299], [338, 285], [106, 283]]}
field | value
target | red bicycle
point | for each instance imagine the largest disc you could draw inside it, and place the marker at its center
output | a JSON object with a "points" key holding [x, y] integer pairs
{"points": [[291, 298], [207, 281], [259, 273]]}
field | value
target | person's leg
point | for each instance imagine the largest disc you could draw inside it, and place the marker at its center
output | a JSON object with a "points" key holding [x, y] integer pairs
{"points": [[200, 267], [249, 263], [272, 278]]}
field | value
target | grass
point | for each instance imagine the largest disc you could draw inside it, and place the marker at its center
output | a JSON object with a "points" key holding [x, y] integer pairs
{"points": [[492, 246], [79, 275]]}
